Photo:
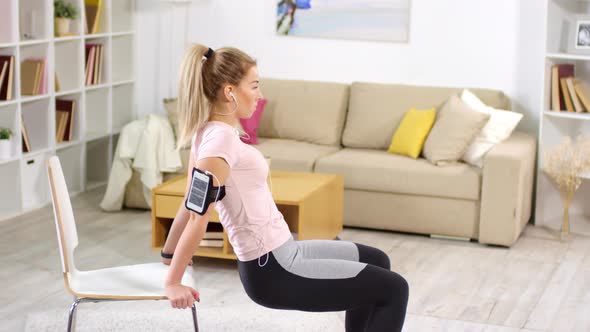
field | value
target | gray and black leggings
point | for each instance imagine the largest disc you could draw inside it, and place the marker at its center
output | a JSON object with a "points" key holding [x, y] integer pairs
{"points": [[324, 275]]}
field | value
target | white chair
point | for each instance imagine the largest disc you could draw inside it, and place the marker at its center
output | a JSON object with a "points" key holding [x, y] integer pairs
{"points": [[131, 282]]}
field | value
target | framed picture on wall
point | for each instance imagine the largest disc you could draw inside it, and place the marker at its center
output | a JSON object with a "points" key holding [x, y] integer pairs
{"points": [[372, 20], [582, 40]]}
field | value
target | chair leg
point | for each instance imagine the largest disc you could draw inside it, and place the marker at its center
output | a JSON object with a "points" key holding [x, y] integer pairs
{"points": [[73, 313], [194, 309]]}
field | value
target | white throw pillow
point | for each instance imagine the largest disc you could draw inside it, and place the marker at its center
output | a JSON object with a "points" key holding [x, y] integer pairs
{"points": [[500, 126]]}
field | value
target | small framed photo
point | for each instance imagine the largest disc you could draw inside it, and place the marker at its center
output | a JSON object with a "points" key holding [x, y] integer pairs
{"points": [[583, 34]]}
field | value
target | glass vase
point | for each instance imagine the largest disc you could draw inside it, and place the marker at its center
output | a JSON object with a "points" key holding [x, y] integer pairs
{"points": [[566, 198], [565, 225]]}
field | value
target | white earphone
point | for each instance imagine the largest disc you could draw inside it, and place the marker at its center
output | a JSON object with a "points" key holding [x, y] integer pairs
{"points": [[235, 108]]}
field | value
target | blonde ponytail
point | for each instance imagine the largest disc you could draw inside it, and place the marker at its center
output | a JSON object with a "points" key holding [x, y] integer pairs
{"points": [[193, 107], [200, 82]]}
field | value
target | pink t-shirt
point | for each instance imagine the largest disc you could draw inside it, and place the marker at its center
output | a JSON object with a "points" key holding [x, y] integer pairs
{"points": [[248, 213]]}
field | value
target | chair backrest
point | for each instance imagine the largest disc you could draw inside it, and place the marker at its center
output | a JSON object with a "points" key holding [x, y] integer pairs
{"points": [[65, 225]]}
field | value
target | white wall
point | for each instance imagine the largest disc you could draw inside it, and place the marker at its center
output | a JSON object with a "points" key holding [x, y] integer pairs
{"points": [[530, 62], [459, 43]]}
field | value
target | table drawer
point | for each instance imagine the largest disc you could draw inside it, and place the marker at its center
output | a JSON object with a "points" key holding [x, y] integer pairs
{"points": [[167, 206]]}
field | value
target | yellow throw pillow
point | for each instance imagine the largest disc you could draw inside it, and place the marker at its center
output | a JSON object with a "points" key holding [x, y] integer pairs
{"points": [[411, 134]]}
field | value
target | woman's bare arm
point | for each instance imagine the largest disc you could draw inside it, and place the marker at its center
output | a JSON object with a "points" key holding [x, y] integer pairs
{"points": [[197, 224], [180, 220]]}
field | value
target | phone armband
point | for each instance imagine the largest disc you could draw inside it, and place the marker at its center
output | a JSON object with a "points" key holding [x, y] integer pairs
{"points": [[202, 192]]}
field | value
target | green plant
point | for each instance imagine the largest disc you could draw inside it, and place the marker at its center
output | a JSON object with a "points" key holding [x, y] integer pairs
{"points": [[65, 10], [5, 133]]}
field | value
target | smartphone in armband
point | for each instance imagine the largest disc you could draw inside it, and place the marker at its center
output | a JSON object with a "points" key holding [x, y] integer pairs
{"points": [[198, 191]]}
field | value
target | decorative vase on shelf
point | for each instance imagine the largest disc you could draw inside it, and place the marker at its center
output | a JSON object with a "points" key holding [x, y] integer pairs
{"points": [[5, 148], [62, 26], [566, 198]]}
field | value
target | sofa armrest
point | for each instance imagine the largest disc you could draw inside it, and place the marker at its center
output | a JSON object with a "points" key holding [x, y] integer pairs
{"points": [[507, 189]]}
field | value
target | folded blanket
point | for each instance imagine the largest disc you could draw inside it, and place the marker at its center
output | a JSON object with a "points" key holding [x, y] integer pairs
{"points": [[147, 146]]}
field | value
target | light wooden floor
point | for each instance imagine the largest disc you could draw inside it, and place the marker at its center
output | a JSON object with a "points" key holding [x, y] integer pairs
{"points": [[540, 284]]}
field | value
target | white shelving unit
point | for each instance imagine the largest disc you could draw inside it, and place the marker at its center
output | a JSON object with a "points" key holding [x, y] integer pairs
{"points": [[559, 49], [101, 110]]}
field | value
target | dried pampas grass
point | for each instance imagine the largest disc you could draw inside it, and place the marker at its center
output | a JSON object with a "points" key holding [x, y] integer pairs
{"points": [[565, 163]]}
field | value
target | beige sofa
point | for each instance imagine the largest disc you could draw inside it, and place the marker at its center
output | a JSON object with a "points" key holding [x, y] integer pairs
{"points": [[346, 129]]}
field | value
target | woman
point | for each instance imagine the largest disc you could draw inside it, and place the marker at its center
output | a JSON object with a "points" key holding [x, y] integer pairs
{"points": [[216, 89]]}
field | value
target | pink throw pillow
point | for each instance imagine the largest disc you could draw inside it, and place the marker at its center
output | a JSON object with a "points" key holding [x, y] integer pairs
{"points": [[250, 125]]}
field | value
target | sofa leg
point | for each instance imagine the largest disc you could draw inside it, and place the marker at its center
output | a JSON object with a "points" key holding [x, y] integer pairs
{"points": [[447, 237]]}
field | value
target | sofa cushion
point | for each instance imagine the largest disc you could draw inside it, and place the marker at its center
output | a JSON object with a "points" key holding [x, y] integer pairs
{"points": [[290, 155], [376, 170], [306, 111], [251, 124], [375, 110], [410, 135], [456, 126], [500, 126]]}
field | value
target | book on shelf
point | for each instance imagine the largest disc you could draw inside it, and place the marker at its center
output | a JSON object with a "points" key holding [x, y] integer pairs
{"points": [[99, 68], [583, 91], [213, 235], [568, 92], [559, 98], [57, 87], [93, 10], [25, 137], [61, 118], [90, 50], [33, 77], [42, 86], [576, 94], [94, 58], [38, 77], [95, 76], [65, 107], [575, 100], [3, 70], [28, 76], [7, 82], [566, 96], [211, 243]]}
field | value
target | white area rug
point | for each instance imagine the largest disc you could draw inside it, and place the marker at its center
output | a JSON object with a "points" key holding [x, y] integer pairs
{"points": [[231, 318], [228, 318], [220, 310]]}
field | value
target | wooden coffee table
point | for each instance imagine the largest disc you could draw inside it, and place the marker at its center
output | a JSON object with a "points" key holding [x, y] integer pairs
{"points": [[310, 202]]}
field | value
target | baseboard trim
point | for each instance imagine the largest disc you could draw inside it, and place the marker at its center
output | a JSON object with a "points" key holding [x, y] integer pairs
{"points": [[448, 237]]}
